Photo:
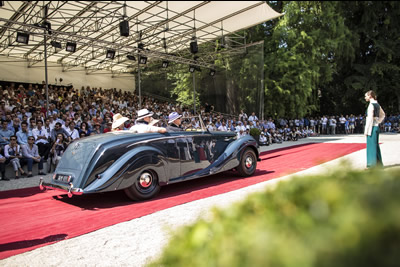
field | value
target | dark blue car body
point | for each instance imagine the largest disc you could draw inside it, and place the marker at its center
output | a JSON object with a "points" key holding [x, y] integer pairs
{"points": [[140, 163]]}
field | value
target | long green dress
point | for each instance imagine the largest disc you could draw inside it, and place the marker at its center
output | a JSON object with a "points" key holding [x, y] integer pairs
{"points": [[374, 156]]}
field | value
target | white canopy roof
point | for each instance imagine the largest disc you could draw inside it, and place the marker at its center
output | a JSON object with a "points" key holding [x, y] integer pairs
{"points": [[163, 28]]}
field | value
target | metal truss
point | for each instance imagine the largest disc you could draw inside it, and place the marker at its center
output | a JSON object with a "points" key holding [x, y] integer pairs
{"points": [[158, 30]]}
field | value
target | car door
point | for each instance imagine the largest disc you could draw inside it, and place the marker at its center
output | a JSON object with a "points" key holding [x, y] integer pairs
{"points": [[170, 149], [194, 153]]}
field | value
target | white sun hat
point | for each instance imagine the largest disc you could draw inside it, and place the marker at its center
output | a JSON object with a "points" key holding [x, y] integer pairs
{"points": [[143, 113], [118, 120]]}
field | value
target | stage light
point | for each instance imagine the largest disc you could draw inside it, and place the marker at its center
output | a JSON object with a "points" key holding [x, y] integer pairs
{"points": [[142, 60], [212, 72], [71, 47], [140, 46], [192, 68], [165, 64], [22, 38], [193, 46], [55, 44], [110, 54], [131, 57]]}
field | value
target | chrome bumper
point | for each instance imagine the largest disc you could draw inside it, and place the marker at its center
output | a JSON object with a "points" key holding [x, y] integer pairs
{"points": [[69, 188]]}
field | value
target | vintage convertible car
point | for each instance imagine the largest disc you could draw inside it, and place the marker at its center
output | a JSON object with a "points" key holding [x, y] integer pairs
{"points": [[140, 164]]}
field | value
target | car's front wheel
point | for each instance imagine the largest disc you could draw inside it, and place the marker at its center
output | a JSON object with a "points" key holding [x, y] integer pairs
{"points": [[145, 187], [248, 163]]}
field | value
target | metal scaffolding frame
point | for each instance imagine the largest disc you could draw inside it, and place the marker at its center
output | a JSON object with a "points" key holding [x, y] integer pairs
{"points": [[159, 30]]}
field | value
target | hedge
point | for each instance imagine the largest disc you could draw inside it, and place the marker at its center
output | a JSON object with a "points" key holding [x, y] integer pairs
{"points": [[345, 218]]}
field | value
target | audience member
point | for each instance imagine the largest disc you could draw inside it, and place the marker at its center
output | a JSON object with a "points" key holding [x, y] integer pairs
{"points": [[42, 138], [30, 154], [13, 154], [58, 148], [5, 134]]}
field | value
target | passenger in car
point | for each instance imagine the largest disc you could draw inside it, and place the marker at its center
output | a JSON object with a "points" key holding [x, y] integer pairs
{"points": [[174, 121], [142, 123], [118, 122]]}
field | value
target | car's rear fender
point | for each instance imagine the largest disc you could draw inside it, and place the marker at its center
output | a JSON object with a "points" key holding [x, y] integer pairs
{"points": [[122, 172]]}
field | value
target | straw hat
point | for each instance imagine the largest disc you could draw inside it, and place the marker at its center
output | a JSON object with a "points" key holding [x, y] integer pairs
{"points": [[118, 120], [143, 113]]}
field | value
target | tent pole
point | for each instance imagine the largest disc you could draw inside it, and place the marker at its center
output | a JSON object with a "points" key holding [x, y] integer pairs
{"points": [[140, 89], [45, 71], [194, 93]]}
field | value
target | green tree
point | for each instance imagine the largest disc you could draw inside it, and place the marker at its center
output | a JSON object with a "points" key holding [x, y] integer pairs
{"points": [[301, 61], [375, 66]]}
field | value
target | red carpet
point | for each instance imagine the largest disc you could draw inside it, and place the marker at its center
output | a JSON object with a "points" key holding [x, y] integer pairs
{"points": [[31, 218]]}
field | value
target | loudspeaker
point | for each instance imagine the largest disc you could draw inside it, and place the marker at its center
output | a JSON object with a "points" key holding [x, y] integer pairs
{"points": [[193, 47], [124, 28]]}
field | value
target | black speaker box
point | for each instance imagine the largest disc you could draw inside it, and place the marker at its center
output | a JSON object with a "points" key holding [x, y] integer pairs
{"points": [[124, 28], [193, 47]]}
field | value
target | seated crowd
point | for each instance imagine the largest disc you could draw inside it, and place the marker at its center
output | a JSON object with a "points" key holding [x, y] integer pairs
{"points": [[30, 133]]}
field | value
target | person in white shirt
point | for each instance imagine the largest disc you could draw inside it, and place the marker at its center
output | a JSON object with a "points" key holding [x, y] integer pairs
{"points": [[253, 117], [263, 140], [241, 133], [222, 127], [42, 139], [142, 123], [242, 115], [240, 127], [72, 132]]}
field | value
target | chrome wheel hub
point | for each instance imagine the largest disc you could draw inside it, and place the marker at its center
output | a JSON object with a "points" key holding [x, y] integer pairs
{"points": [[249, 162], [145, 180]]}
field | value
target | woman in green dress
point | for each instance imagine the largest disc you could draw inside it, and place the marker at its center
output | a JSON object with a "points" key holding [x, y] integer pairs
{"points": [[375, 116]]}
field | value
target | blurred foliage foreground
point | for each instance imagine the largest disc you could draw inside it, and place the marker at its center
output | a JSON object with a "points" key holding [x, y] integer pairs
{"points": [[346, 218]]}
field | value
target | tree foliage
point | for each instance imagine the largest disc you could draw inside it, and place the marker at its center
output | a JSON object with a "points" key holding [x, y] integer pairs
{"points": [[319, 58]]}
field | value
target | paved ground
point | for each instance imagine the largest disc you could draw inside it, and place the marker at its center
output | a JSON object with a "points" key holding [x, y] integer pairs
{"points": [[129, 243]]}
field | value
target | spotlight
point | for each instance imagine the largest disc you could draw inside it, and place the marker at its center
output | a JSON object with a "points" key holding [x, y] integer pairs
{"points": [[165, 64], [55, 44], [142, 60], [140, 46], [110, 54], [22, 38], [193, 46], [71, 47], [131, 57], [192, 68], [212, 72]]}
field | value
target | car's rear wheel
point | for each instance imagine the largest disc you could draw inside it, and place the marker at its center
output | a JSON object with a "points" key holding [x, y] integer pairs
{"points": [[145, 187], [248, 163]]}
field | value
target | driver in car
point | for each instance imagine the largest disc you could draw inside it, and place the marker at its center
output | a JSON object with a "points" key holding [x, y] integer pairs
{"points": [[142, 123]]}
